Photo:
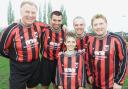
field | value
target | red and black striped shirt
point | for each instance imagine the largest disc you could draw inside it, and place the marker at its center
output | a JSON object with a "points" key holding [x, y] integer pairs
{"points": [[82, 42], [22, 43], [106, 60], [52, 43], [70, 71]]}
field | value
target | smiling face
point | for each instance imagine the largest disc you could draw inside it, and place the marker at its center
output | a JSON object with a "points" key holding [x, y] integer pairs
{"points": [[99, 25], [28, 14], [70, 43], [79, 26], [56, 21]]}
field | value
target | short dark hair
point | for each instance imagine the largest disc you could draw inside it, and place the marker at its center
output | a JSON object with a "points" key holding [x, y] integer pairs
{"points": [[58, 13]]}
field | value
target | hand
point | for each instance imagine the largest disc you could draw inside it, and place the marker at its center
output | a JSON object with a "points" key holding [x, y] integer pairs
{"points": [[90, 79], [60, 87], [81, 87], [117, 86]]}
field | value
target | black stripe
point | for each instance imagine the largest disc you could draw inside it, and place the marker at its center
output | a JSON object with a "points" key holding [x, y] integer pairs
{"points": [[23, 44], [62, 64], [81, 43], [32, 44], [38, 38], [35, 29], [116, 62], [42, 42], [55, 46], [107, 60], [13, 52], [49, 40], [42, 39], [77, 61], [86, 38], [92, 65], [99, 63], [63, 38], [69, 78]]}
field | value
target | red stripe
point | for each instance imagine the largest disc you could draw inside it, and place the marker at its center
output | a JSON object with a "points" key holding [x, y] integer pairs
{"points": [[52, 48], [73, 77], [111, 62], [29, 51], [9, 39], [80, 71], [19, 47], [96, 60], [78, 44], [35, 44], [45, 43], [65, 66], [102, 73], [120, 49]]}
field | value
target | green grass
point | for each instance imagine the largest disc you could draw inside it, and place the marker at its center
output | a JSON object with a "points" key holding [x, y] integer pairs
{"points": [[4, 75]]}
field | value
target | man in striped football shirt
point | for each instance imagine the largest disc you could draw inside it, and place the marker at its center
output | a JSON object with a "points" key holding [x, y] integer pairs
{"points": [[52, 42], [20, 43], [106, 57], [79, 27]]}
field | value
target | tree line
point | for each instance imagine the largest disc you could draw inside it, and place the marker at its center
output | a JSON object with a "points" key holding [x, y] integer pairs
{"points": [[45, 10]]}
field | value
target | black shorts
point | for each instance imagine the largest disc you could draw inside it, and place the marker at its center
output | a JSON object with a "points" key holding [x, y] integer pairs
{"points": [[24, 75], [95, 87], [48, 71]]}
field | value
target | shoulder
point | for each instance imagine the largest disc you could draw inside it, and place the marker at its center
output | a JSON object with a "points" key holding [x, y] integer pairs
{"points": [[11, 27], [113, 35], [90, 37], [37, 23], [116, 37]]}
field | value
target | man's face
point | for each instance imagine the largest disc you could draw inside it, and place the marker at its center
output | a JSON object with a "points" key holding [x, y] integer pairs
{"points": [[79, 26], [28, 14], [70, 43], [99, 26], [56, 21]]}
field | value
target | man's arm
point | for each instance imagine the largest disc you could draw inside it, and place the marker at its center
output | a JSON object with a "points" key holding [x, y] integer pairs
{"points": [[6, 40], [121, 61]]}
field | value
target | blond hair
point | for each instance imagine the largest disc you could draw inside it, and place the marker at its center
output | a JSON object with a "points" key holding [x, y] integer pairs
{"points": [[97, 16]]}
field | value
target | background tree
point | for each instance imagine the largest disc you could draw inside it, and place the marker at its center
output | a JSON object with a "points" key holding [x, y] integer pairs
{"points": [[49, 10], [10, 13], [40, 13], [90, 30], [64, 20], [44, 12]]}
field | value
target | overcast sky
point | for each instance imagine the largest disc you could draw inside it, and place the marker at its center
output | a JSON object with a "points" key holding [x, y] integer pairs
{"points": [[116, 11]]}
